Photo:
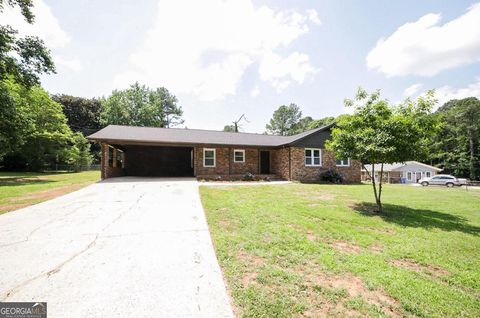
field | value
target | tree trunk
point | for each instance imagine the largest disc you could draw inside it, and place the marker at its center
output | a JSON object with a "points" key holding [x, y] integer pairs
{"points": [[379, 200]]}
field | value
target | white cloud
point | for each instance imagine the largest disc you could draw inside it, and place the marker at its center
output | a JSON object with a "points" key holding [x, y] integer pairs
{"points": [[446, 93], [206, 49], [426, 48], [73, 64], [278, 71], [313, 16], [45, 26], [255, 92], [412, 89]]}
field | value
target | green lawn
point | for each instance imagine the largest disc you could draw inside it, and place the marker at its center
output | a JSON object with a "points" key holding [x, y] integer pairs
{"points": [[20, 189], [317, 250]]}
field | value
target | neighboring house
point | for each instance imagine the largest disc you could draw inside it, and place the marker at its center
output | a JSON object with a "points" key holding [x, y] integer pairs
{"points": [[408, 172], [144, 151]]}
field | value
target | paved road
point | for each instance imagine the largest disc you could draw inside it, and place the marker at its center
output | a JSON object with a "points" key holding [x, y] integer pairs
{"points": [[125, 247]]}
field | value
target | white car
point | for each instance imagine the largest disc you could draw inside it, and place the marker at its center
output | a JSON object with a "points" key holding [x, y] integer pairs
{"points": [[442, 179]]}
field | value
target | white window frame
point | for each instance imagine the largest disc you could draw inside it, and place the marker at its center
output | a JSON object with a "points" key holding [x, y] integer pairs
{"points": [[313, 157], [243, 155], [429, 174], [411, 176], [343, 165], [214, 157]]}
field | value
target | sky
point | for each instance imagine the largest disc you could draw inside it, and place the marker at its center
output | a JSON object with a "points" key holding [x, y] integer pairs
{"points": [[223, 59]]}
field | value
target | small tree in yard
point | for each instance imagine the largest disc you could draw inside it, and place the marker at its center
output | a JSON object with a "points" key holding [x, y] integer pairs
{"points": [[377, 133]]}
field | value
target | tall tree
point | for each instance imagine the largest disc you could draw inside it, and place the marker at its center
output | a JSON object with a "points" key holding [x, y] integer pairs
{"points": [[46, 138], [284, 120], [457, 145], [139, 105], [83, 114], [23, 58], [378, 133], [302, 125]]}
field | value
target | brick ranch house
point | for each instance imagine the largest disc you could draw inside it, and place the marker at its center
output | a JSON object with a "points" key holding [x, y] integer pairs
{"points": [[178, 152]]}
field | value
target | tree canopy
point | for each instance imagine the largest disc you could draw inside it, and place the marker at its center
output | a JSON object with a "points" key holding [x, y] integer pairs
{"points": [[284, 120], [139, 105], [378, 133], [23, 58], [457, 145], [40, 132], [229, 128], [288, 120], [83, 114]]}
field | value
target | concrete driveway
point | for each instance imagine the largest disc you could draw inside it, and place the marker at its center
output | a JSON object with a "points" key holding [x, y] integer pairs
{"points": [[125, 247]]}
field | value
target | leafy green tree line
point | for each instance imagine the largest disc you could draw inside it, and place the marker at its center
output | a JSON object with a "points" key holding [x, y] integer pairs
{"points": [[33, 128]]}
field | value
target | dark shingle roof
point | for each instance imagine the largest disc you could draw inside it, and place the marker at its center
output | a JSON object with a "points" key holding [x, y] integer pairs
{"points": [[153, 135]]}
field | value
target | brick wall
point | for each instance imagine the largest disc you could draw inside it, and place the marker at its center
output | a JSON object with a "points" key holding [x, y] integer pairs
{"points": [[221, 161], [300, 172], [279, 162], [225, 164], [251, 162], [108, 171]]}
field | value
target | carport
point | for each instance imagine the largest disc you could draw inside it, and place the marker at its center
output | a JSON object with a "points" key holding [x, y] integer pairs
{"points": [[150, 160], [159, 161]]}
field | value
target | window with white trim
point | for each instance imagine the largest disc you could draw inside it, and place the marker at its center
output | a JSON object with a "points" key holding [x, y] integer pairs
{"points": [[209, 157], [239, 155], [343, 162], [313, 157], [409, 176], [428, 174]]}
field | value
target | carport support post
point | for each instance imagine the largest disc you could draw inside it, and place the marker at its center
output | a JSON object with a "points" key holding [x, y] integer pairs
{"points": [[104, 159], [114, 157]]}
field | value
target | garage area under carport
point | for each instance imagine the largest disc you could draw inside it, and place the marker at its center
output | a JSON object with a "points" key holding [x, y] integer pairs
{"points": [[148, 161], [158, 161]]}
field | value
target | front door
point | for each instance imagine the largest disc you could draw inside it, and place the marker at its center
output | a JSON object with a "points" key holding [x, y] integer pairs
{"points": [[265, 162]]}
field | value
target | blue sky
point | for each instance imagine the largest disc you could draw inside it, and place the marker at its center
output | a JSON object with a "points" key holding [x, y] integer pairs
{"points": [[225, 58]]}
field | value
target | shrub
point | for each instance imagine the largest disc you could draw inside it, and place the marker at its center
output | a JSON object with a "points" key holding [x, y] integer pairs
{"points": [[331, 176], [248, 177]]}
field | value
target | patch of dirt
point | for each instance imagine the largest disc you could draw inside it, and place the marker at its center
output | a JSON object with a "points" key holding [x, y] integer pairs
{"points": [[248, 278], [20, 180], [251, 260], [10, 207], [329, 309], [38, 196], [409, 264], [253, 263], [225, 224], [50, 193], [354, 287], [311, 236], [376, 248], [316, 196], [346, 247]]}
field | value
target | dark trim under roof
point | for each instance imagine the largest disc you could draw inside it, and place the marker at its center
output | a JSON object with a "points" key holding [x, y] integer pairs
{"points": [[114, 134]]}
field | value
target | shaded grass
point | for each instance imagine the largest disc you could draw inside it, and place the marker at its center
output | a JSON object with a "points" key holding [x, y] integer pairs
{"points": [[20, 189], [278, 248]]}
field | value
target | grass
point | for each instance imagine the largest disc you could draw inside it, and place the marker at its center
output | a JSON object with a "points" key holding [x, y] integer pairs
{"points": [[20, 189], [303, 250]]}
